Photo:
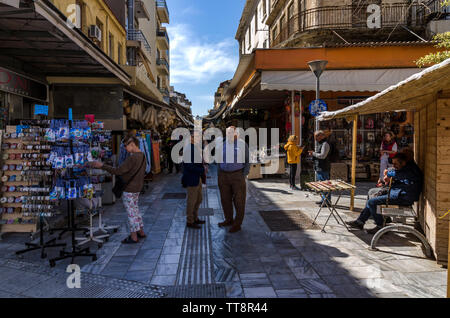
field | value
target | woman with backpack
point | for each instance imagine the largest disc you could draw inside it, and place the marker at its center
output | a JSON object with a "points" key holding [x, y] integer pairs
{"points": [[132, 172]]}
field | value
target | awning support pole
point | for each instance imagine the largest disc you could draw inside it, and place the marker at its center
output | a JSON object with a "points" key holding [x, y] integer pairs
{"points": [[355, 144], [301, 136], [292, 112]]}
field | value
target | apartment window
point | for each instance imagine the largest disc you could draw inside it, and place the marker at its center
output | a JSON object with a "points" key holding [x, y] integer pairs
{"points": [[111, 46], [158, 82], [81, 18], [100, 26], [248, 39], [274, 33], [119, 53], [256, 21], [290, 21]]}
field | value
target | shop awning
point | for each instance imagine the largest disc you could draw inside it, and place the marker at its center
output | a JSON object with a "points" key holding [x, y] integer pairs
{"points": [[410, 94], [370, 80], [36, 36]]}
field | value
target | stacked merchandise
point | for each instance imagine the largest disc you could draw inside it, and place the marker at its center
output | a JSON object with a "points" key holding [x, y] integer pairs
{"points": [[36, 158], [26, 178]]}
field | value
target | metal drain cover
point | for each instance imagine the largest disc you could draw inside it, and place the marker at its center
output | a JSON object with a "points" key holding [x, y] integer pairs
{"points": [[197, 291], [174, 196], [288, 220]]}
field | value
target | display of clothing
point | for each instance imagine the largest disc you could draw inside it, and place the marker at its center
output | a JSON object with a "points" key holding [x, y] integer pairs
{"points": [[143, 146]]}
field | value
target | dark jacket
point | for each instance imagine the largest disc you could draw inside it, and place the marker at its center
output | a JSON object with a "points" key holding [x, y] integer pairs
{"points": [[192, 172], [323, 165], [407, 183]]}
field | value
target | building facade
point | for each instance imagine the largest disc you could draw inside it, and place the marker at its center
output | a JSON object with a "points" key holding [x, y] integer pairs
{"points": [[253, 32], [180, 99], [307, 23], [132, 35]]}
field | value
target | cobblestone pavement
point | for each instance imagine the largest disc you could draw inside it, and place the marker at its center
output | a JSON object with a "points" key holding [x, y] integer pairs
{"points": [[254, 263]]}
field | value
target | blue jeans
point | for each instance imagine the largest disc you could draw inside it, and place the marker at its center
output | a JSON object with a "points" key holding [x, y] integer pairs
{"points": [[371, 209], [324, 176]]}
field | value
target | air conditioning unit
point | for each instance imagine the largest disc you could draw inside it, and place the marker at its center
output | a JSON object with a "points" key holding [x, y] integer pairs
{"points": [[95, 33]]}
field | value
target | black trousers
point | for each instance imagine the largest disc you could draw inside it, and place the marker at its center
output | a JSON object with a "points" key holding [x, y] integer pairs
{"points": [[292, 174]]}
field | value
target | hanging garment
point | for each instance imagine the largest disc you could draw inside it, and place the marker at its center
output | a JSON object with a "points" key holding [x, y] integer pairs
{"points": [[148, 138], [144, 148], [123, 154]]}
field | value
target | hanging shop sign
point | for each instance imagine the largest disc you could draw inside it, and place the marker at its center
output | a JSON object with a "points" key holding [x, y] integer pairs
{"points": [[317, 106], [14, 83]]}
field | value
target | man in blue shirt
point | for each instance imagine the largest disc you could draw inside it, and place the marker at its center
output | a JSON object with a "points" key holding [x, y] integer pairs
{"points": [[232, 185], [407, 181]]}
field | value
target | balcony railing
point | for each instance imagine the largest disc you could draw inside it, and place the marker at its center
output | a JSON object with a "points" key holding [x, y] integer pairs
{"points": [[349, 17], [161, 4], [163, 33], [163, 62], [433, 9], [137, 35]]}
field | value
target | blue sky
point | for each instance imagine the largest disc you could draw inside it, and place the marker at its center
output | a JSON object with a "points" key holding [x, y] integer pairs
{"points": [[204, 52]]}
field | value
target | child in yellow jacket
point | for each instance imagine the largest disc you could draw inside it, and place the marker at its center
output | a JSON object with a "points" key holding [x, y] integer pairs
{"points": [[293, 153]]}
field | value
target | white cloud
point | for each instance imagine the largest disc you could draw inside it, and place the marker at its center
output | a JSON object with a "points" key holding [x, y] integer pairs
{"points": [[193, 59]]}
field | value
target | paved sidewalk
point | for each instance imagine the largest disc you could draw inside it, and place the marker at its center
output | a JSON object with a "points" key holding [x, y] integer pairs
{"points": [[252, 263]]}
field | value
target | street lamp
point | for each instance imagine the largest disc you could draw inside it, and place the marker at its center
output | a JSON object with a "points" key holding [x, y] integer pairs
{"points": [[317, 67]]}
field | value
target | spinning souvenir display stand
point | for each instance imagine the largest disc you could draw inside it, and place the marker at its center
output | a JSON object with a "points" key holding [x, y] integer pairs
{"points": [[26, 180], [45, 162]]}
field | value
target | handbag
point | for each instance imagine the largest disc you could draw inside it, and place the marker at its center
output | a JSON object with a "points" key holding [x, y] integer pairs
{"points": [[121, 185]]}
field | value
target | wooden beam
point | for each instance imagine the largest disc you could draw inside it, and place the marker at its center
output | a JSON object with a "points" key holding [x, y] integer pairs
{"points": [[355, 144]]}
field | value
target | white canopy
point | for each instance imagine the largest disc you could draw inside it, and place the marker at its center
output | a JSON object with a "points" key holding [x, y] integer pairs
{"points": [[375, 80]]}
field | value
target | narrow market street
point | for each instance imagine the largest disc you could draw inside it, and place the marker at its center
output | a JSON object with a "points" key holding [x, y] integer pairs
{"points": [[210, 263]]}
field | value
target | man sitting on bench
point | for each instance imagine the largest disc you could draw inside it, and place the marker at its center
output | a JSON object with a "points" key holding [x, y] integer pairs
{"points": [[405, 190]]}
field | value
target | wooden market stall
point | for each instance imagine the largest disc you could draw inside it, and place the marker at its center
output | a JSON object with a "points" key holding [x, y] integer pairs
{"points": [[428, 95]]}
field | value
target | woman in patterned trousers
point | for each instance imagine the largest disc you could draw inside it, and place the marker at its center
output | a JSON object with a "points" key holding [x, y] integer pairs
{"points": [[133, 172]]}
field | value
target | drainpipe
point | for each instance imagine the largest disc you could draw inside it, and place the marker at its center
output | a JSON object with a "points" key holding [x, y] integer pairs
{"points": [[132, 51]]}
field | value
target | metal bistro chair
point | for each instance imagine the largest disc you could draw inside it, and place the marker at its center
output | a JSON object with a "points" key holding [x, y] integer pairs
{"points": [[399, 215]]}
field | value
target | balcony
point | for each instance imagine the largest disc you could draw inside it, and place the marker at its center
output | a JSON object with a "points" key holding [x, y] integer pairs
{"points": [[350, 18], [163, 65], [163, 11], [163, 38], [164, 92], [138, 36]]}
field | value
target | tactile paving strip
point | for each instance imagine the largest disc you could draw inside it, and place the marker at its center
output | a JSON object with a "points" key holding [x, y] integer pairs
{"points": [[196, 265], [93, 286]]}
